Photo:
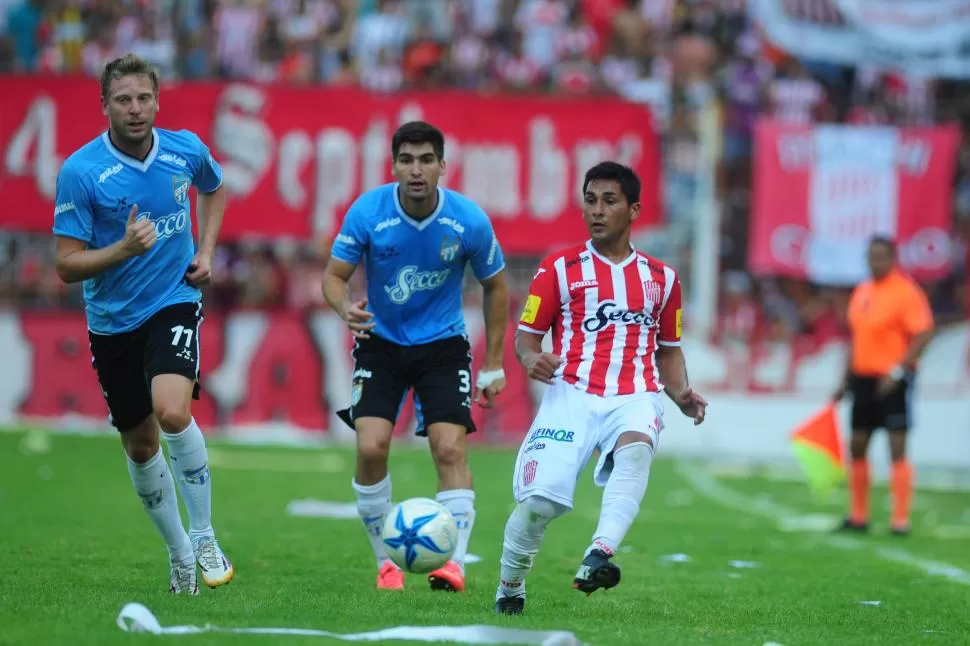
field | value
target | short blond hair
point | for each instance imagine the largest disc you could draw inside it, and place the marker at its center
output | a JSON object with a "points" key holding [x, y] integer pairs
{"points": [[127, 65]]}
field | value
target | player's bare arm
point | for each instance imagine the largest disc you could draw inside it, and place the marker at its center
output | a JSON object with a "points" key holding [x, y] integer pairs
{"points": [[673, 373], [539, 365], [75, 262], [336, 291], [211, 207], [496, 308]]}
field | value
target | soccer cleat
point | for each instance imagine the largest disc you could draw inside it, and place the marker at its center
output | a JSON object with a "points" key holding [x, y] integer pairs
{"points": [[215, 565], [849, 525], [183, 578], [448, 577], [901, 529], [510, 605], [596, 571], [390, 577]]}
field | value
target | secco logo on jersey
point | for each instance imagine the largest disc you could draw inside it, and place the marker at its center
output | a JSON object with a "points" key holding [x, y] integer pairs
{"points": [[608, 314], [409, 280], [554, 434], [171, 224]]}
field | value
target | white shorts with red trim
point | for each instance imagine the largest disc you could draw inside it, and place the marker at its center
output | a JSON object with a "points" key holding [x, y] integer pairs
{"points": [[570, 425]]}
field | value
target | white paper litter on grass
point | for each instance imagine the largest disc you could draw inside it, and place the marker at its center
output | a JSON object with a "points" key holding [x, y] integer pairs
{"points": [[136, 618]]}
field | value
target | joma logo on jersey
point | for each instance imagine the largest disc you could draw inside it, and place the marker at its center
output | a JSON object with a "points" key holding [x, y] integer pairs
{"points": [[114, 170], [554, 434], [583, 284], [180, 187], [608, 313], [171, 224], [454, 224], [387, 224], [409, 280], [173, 159]]}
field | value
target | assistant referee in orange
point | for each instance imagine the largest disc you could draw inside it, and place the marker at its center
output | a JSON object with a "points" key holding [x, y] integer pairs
{"points": [[891, 324]]}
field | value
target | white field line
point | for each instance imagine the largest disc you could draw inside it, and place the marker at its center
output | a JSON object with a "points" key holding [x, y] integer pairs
{"points": [[710, 488]]}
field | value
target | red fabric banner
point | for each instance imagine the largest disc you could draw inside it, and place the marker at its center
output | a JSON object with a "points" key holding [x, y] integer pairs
{"points": [[820, 194], [295, 158]]}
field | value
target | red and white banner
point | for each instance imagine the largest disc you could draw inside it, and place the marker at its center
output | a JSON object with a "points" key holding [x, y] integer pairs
{"points": [[821, 193], [295, 158]]}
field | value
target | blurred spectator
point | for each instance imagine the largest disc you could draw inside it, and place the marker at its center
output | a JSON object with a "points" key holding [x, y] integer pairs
{"points": [[685, 59]]}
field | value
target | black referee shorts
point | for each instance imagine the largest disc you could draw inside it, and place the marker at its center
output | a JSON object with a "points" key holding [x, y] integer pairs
{"points": [[894, 412]]}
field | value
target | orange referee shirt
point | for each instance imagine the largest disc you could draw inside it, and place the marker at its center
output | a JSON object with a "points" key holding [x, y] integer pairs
{"points": [[884, 316]]}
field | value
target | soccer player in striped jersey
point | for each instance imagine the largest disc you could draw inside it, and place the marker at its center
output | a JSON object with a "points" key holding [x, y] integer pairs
{"points": [[615, 318]]}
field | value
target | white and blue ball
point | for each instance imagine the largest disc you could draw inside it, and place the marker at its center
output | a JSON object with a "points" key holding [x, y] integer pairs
{"points": [[420, 535]]}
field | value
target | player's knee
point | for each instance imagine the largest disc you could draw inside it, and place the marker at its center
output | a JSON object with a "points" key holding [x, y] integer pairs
{"points": [[373, 449], [140, 449], [448, 453], [173, 416], [542, 509]]}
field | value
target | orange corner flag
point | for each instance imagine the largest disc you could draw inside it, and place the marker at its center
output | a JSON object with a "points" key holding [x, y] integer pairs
{"points": [[818, 446]]}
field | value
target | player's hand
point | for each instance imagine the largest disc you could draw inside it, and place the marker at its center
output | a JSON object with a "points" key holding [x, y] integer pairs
{"points": [[200, 270], [139, 234], [886, 386], [541, 366], [359, 319], [691, 404], [485, 397]]}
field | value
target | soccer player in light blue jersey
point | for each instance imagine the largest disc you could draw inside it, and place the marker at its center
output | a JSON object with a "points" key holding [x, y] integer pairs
{"points": [[123, 226], [415, 240]]}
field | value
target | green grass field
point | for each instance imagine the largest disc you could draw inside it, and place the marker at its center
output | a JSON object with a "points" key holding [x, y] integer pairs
{"points": [[77, 546]]}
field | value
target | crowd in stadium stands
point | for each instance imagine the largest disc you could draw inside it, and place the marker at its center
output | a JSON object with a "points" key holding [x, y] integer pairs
{"points": [[675, 55]]}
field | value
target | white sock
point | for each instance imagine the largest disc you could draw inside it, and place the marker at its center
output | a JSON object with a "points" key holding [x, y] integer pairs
{"points": [[523, 536], [373, 505], [461, 504], [190, 463], [153, 484], [622, 495]]}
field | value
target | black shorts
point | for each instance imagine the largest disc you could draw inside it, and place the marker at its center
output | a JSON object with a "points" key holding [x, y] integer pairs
{"points": [[892, 412], [439, 372], [126, 363]]}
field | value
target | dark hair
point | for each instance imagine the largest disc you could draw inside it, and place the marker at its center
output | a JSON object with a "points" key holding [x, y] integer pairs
{"points": [[885, 241], [623, 175], [418, 132], [127, 65]]}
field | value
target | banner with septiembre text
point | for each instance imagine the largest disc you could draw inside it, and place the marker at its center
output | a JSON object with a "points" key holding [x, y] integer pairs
{"points": [[295, 158], [822, 192]]}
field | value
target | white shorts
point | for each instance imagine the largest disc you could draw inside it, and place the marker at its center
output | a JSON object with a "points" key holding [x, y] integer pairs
{"points": [[569, 426]]}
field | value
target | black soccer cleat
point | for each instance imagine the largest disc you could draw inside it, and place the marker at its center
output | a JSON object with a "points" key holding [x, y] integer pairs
{"points": [[510, 605], [596, 571], [849, 525]]}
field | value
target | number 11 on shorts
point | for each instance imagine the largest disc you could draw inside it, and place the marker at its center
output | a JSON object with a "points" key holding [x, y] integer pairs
{"points": [[178, 332]]}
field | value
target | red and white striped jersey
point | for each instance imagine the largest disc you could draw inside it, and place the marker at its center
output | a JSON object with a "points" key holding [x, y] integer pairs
{"points": [[607, 318]]}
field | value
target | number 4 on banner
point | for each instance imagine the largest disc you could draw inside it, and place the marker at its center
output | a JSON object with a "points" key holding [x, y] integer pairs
{"points": [[39, 128]]}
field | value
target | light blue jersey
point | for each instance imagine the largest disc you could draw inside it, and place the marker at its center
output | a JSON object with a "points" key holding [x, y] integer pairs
{"points": [[96, 189], [415, 267]]}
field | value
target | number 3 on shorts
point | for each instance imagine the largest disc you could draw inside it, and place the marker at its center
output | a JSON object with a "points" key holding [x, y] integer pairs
{"points": [[466, 381]]}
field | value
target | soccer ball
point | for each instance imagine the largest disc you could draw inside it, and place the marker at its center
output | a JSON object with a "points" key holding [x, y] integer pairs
{"points": [[420, 535]]}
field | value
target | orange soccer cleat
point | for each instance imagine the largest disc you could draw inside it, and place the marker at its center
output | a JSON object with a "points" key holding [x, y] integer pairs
{"points": [[390, 577], [448, 577]]}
